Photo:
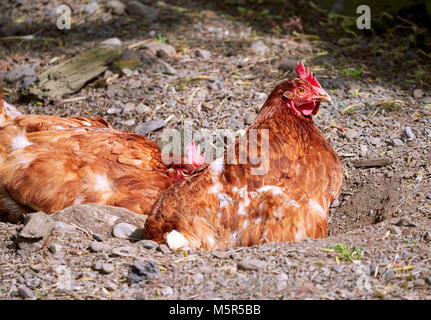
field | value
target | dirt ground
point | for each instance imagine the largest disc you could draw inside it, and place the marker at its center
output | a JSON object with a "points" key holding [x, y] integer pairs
{"points": [[228, 57]]}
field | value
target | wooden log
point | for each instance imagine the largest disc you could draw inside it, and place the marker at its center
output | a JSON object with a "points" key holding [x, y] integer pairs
{"points": [[71, 75]]}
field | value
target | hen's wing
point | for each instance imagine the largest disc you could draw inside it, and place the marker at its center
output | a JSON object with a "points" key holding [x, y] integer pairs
{"points": [[226, 205], [50, 170], [32, 123]]}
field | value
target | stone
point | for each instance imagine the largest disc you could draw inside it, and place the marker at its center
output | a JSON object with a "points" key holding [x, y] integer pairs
{"points": [[398, 142], [375, 141], [130, 122], [91, 7], [97, 266], [249, 119], [162, 50], [20, 72], [129, 107], [143, 109], [163, 249], [127, 231], [98, 218], [25, 293], [38, 225], [63, 226], [167, 291], [149, 126], [146, 244], [111, 42], [337, 268], [350, 134], [166, 68], [117, 7], [250, 265], [33, 283], [418, 93], [409, 133], [395, 230], [100, 247], [335, 204], [215, 84], [55, 248], [100, 237], [114, 110], [125, 251], [204, 54], [389, 275], [259, 47], [143, 270], [146, 13], [107, 268]]}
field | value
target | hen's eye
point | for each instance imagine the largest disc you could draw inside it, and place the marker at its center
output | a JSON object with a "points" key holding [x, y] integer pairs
{"points": [[301, 90], [184, 173]]}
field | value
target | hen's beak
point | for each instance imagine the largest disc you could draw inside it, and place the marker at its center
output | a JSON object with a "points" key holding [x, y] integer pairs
{"points": [[323, 97]]}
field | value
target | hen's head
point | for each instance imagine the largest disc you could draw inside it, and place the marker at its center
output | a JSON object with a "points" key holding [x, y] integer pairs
{"points": [[302, 95], [189, 163]]}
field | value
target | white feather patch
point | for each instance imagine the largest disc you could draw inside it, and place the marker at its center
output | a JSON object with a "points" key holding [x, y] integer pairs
{"points": [[317, 207], [217, 167], [20, 142]]}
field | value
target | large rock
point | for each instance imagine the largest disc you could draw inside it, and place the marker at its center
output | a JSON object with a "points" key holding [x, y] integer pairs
{"points": [[37, 227], [100, 219]]}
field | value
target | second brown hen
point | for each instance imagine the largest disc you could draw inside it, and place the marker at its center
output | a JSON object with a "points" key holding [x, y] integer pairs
{"points": [[48, 163]]}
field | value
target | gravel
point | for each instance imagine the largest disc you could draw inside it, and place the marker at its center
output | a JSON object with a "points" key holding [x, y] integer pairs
{"points": [[233, 81]]}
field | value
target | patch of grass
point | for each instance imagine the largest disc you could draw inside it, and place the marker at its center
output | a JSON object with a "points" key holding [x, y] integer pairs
{"points": [[409, 241], [389, 105], [160, 38], [355, 73], [346, 252]]}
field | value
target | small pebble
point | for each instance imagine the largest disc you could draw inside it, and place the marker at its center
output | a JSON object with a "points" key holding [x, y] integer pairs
{"points": [[123, 230], [98, 265], [163, 249], [125, 251], [100, 247], [335, 204], [99, 237], [389, 275], [143, 270], [25, 292], [375, 141], [55, 248], [107, 268], [409, 133], [418, 93], [205, 54], [167, 291], [398, 142], [350, 134], [250, 265], [395, 229], [147, 244], [337, 268]]}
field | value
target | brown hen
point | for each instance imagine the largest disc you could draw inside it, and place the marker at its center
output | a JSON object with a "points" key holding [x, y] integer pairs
{"points": [[232, 202], [48, 163]]}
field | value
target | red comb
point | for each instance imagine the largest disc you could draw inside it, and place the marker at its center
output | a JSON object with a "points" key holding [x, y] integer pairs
{"points": [[306, 75]]}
